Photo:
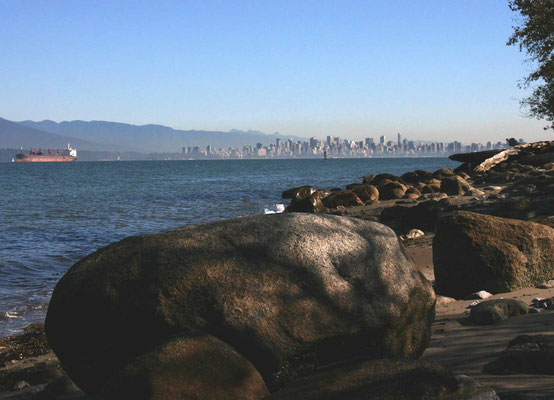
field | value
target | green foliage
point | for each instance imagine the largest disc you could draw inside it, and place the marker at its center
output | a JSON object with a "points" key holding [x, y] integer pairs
{"points": [[535, 36]]}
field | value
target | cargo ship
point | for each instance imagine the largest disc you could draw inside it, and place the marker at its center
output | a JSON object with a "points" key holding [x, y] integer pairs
{"points": [[40, 155]]}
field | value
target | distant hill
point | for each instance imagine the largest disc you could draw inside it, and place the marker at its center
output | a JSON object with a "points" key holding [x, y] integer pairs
{"points": [[14, 135], [152, 138]]}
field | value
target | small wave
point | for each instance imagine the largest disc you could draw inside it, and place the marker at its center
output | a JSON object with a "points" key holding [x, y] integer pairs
{"points": [[279, 208], [10, 315]]}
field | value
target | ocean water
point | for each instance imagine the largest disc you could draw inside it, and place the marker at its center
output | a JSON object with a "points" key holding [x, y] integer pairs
{"points": [[54, 214]]}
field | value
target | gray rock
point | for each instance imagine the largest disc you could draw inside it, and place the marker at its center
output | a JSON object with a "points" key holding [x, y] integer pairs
{"points": [[474, 252], [526, 355], [410, 177], [379, 179], [289, 292], [344, 198], [311, 204], [443, 173], [392, 190], [492, 311], [367, 193], [298, 193], [430, 188], [424, 176], [455, 185]]}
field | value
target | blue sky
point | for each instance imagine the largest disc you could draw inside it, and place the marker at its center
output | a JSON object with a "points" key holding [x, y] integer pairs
{"points": [[430, 69]]}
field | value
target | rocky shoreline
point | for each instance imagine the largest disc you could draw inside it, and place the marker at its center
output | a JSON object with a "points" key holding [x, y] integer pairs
{"points": [[486, 226], [520, 188]]}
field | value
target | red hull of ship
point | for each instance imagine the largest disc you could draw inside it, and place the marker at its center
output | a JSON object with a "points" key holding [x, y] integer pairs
{"points": [[45, 158]]}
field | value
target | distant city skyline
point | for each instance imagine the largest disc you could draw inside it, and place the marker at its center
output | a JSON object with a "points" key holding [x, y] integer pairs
{"points": [[337, 147], [433, 70], [381, 138]]}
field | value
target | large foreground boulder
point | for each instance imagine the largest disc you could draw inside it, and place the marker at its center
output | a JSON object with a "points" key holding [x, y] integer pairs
{"points": [[474, 251], [289, 292]]}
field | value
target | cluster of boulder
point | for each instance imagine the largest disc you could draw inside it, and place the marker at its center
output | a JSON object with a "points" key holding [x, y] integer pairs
{"points": [[523, 177], [418, 185], [519, 186], [281, 306]]}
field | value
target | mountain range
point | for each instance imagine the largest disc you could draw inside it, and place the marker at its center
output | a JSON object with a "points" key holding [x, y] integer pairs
{"points": [[118, 137]]}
